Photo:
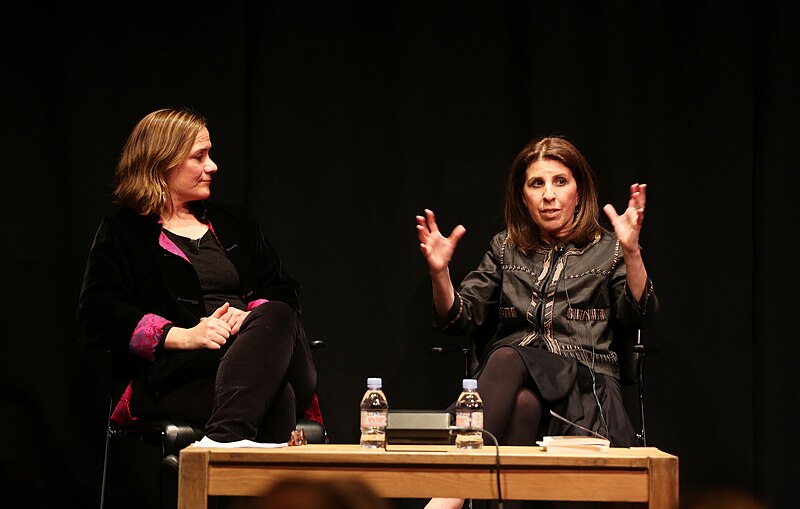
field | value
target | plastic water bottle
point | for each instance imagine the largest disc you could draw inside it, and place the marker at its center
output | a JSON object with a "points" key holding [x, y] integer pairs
{"points": [[469, 414], [374, 413]]}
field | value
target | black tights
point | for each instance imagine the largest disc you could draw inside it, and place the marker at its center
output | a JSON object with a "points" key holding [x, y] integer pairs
{"points": [[512, 410]]}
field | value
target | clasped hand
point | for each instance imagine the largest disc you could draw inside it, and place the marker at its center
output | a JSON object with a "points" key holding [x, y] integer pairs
{"points": [[212, 332]]}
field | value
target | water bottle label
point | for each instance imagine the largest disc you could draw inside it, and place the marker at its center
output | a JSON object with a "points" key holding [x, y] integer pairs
{"points": [[373, 419], [469, 419]]}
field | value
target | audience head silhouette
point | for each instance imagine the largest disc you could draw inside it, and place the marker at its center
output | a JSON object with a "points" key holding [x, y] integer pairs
{"points": [[317, 494]]}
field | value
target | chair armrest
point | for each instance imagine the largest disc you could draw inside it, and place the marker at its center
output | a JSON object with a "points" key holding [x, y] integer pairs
{"points": [[313, 431], [173, 434]]}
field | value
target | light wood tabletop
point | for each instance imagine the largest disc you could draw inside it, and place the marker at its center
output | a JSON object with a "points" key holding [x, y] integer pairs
{"points": [[640, 474]]}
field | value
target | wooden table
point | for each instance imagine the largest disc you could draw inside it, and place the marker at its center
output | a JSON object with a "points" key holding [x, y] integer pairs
{"points": [[641, 474]]}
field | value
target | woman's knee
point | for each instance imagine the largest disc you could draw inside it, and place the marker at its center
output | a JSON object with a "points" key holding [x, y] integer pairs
{"points": [[277, 317], [503, 359], [528, 402], [273, 309]]}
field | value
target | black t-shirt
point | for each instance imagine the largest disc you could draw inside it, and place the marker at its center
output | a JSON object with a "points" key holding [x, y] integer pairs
{"points": [[219, 280]]}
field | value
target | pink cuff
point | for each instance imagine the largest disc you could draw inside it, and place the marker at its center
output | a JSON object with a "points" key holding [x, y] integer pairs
{"points": [[147, 335]]}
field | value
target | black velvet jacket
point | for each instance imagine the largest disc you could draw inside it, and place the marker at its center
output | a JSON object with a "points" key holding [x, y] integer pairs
{"points": [[130, 276]]}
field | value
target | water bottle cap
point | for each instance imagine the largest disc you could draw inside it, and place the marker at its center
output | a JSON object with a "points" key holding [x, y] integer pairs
{"points": [[374, 383], [469, 383]]}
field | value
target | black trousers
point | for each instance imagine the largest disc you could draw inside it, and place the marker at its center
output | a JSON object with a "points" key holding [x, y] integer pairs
{"points": [[254, 388]]}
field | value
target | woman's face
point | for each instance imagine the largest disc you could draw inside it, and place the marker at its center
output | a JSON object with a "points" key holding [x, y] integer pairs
{"points": [[551, 195], [191, 180]]}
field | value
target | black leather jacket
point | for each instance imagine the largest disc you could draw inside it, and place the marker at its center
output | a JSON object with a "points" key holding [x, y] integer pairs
{"points": [[565, 299]]}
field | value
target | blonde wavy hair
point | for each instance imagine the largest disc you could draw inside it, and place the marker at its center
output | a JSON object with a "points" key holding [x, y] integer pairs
{"points": [[158, 144]]}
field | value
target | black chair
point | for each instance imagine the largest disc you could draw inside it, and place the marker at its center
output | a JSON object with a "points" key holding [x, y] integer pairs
{"points": [[140, 463]]}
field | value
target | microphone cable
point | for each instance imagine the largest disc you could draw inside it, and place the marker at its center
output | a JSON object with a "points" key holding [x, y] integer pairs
{"points": [[591, 368], [496, 459], [593, 433]]}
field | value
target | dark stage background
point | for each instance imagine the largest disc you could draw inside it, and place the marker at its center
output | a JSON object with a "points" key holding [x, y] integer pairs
{"points": [[337, 122]]}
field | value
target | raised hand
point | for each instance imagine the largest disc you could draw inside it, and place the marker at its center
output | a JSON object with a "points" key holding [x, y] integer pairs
{"points": [[628, 225], [436, 248]]}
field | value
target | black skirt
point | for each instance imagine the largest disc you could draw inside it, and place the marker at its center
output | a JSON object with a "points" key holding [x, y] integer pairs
{"points": [[572, 390]]}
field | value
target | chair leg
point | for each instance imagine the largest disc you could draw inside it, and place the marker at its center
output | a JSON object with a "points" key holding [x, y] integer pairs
{"points": [[105, 459], [105, 469]]}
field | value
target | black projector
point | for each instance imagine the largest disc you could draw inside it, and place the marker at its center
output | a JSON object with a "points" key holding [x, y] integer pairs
{"points": [[418, 427]]}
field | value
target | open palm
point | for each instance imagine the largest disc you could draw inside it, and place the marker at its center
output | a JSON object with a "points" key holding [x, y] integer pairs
{"points": [[436, 248], [628, 225]]}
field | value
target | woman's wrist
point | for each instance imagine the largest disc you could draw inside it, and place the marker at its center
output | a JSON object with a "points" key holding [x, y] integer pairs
{"points": [[440, 274], [632, 254], [175, 338]]}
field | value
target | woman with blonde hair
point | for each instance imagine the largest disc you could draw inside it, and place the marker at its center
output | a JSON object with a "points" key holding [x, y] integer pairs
{"points": [[191, 298]]}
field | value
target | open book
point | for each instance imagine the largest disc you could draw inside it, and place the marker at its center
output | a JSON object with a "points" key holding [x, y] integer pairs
{"points": [[574, 444]]}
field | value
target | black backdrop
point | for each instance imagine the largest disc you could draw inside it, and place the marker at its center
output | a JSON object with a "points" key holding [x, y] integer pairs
{"points": [[337, 122]]}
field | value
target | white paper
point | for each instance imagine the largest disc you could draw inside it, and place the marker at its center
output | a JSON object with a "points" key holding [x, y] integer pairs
{"points": [[207, 442]]}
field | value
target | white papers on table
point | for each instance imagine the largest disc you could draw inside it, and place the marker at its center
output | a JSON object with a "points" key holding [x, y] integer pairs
{"points": [[207, 442]]}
